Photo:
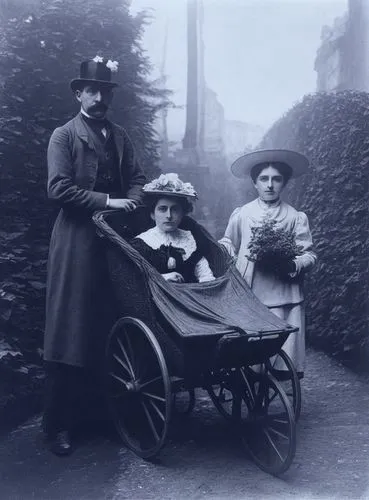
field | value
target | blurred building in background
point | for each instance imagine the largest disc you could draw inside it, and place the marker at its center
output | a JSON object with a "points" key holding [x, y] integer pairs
{"points": [[214, 128], [210, 143], [342, 60], [241, 137]]}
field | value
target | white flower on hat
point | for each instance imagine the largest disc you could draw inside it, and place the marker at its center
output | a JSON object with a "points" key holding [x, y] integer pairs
{"points": [[170, 183], [98, 59], [171, 177], [112, 65], [188, 188]]}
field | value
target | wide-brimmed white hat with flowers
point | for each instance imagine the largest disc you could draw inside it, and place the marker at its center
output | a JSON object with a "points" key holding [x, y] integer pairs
{"points": [[170, 185], [244, 164]]}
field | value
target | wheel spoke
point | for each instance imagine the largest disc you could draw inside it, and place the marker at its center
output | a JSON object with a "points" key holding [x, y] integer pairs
{"points": [[151, 423], [126, 358], [122, 381], [132, 356], [153, 396], [278, 420], [161, 415], [248, 390], [151, 381], [223, 397], [122, 363], [272, 398], [266, 433], [278, 433], [236, 407]]}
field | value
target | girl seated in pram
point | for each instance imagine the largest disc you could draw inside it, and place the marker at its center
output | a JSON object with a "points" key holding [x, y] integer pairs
{"points": [[173, 251]]}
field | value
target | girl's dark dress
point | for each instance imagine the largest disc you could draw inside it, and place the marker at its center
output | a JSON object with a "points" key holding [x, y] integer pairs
{"points": [[177, 251]]}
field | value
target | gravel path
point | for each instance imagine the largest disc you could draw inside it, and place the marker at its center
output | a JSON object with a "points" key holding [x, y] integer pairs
{"points": [[202, 460]]}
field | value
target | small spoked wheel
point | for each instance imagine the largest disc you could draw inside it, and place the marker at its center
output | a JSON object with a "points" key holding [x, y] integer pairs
{"points": [[283, 369], [269, 432], [138, 387], [224, 395], [183, 402]]}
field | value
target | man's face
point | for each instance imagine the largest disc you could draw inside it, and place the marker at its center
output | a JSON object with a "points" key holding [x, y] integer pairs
{"points": [[95, 99], [269, 184]]}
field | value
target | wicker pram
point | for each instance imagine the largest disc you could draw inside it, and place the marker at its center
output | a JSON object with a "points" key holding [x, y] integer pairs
{"points": [[170, 337]]}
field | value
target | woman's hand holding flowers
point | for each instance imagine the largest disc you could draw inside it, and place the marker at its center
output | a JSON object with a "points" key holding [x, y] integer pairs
{"points": [[274, 249], [290, 267]]}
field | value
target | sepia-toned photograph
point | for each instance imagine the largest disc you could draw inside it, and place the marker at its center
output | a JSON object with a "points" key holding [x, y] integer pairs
{"points": [[184, 249]]}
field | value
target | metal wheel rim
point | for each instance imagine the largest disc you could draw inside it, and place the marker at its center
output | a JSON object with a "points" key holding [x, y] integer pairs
{"points": [[141, 417], [292, 386]]}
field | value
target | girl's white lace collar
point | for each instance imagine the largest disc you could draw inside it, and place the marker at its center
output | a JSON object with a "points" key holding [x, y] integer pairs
{"points": [[178, 238]]}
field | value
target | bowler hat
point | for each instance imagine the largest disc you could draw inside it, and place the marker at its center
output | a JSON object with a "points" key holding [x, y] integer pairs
{"points": [[296, 161], [92, 71]]}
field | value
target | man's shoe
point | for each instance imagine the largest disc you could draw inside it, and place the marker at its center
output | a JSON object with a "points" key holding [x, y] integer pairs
{"points": [[60, 444]]}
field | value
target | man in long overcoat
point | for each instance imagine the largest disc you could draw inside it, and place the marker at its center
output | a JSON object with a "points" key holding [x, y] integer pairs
{"points": [[91, 166]]}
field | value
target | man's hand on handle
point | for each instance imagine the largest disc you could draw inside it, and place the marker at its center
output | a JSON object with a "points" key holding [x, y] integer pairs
{"points": [[121, 204]]}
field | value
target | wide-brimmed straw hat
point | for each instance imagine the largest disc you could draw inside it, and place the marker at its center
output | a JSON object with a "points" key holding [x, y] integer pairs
{"points": [[296, 161], [170, 185], [97, 70]]}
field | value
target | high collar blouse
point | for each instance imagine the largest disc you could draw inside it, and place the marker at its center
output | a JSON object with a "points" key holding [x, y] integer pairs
{"points": [[268, 288]]}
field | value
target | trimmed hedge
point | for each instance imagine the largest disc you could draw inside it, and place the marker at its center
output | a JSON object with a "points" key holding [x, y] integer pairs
{"points": [[333, 131]]}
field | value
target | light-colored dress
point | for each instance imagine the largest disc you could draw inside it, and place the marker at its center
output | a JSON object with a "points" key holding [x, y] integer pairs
{"points": [[284, 298]]}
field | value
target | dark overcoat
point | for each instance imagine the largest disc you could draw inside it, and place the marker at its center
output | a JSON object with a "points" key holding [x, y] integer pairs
{"points": [[75, 282]]}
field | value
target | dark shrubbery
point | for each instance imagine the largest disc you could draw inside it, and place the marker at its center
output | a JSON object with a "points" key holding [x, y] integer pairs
{"points": [[42, 43], [333, 131]]}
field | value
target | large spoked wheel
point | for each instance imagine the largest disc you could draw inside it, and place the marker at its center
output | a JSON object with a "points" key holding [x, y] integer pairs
{"points": [[283, 369], [269, 432], [138, 387]]}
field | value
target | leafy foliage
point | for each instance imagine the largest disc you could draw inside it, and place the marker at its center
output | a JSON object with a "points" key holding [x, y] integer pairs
{"points": [[333, 131], [42, 43]]}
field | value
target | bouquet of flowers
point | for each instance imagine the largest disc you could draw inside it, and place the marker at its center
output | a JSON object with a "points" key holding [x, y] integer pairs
{"points": [[273, 248]]}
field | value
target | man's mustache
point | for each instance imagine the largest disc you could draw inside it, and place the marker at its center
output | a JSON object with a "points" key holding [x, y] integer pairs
{"points": [[99, 107]]}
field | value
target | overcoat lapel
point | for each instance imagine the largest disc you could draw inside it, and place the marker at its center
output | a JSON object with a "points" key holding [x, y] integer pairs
{"points": [[119, 141], [82, 132]]}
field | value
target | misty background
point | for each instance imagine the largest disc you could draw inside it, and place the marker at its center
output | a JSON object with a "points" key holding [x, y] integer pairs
{"points": [[259, 55]]}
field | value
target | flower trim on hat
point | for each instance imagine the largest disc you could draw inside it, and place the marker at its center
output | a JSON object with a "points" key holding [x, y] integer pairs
{"points": [[170, 183], [112, 65]]}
